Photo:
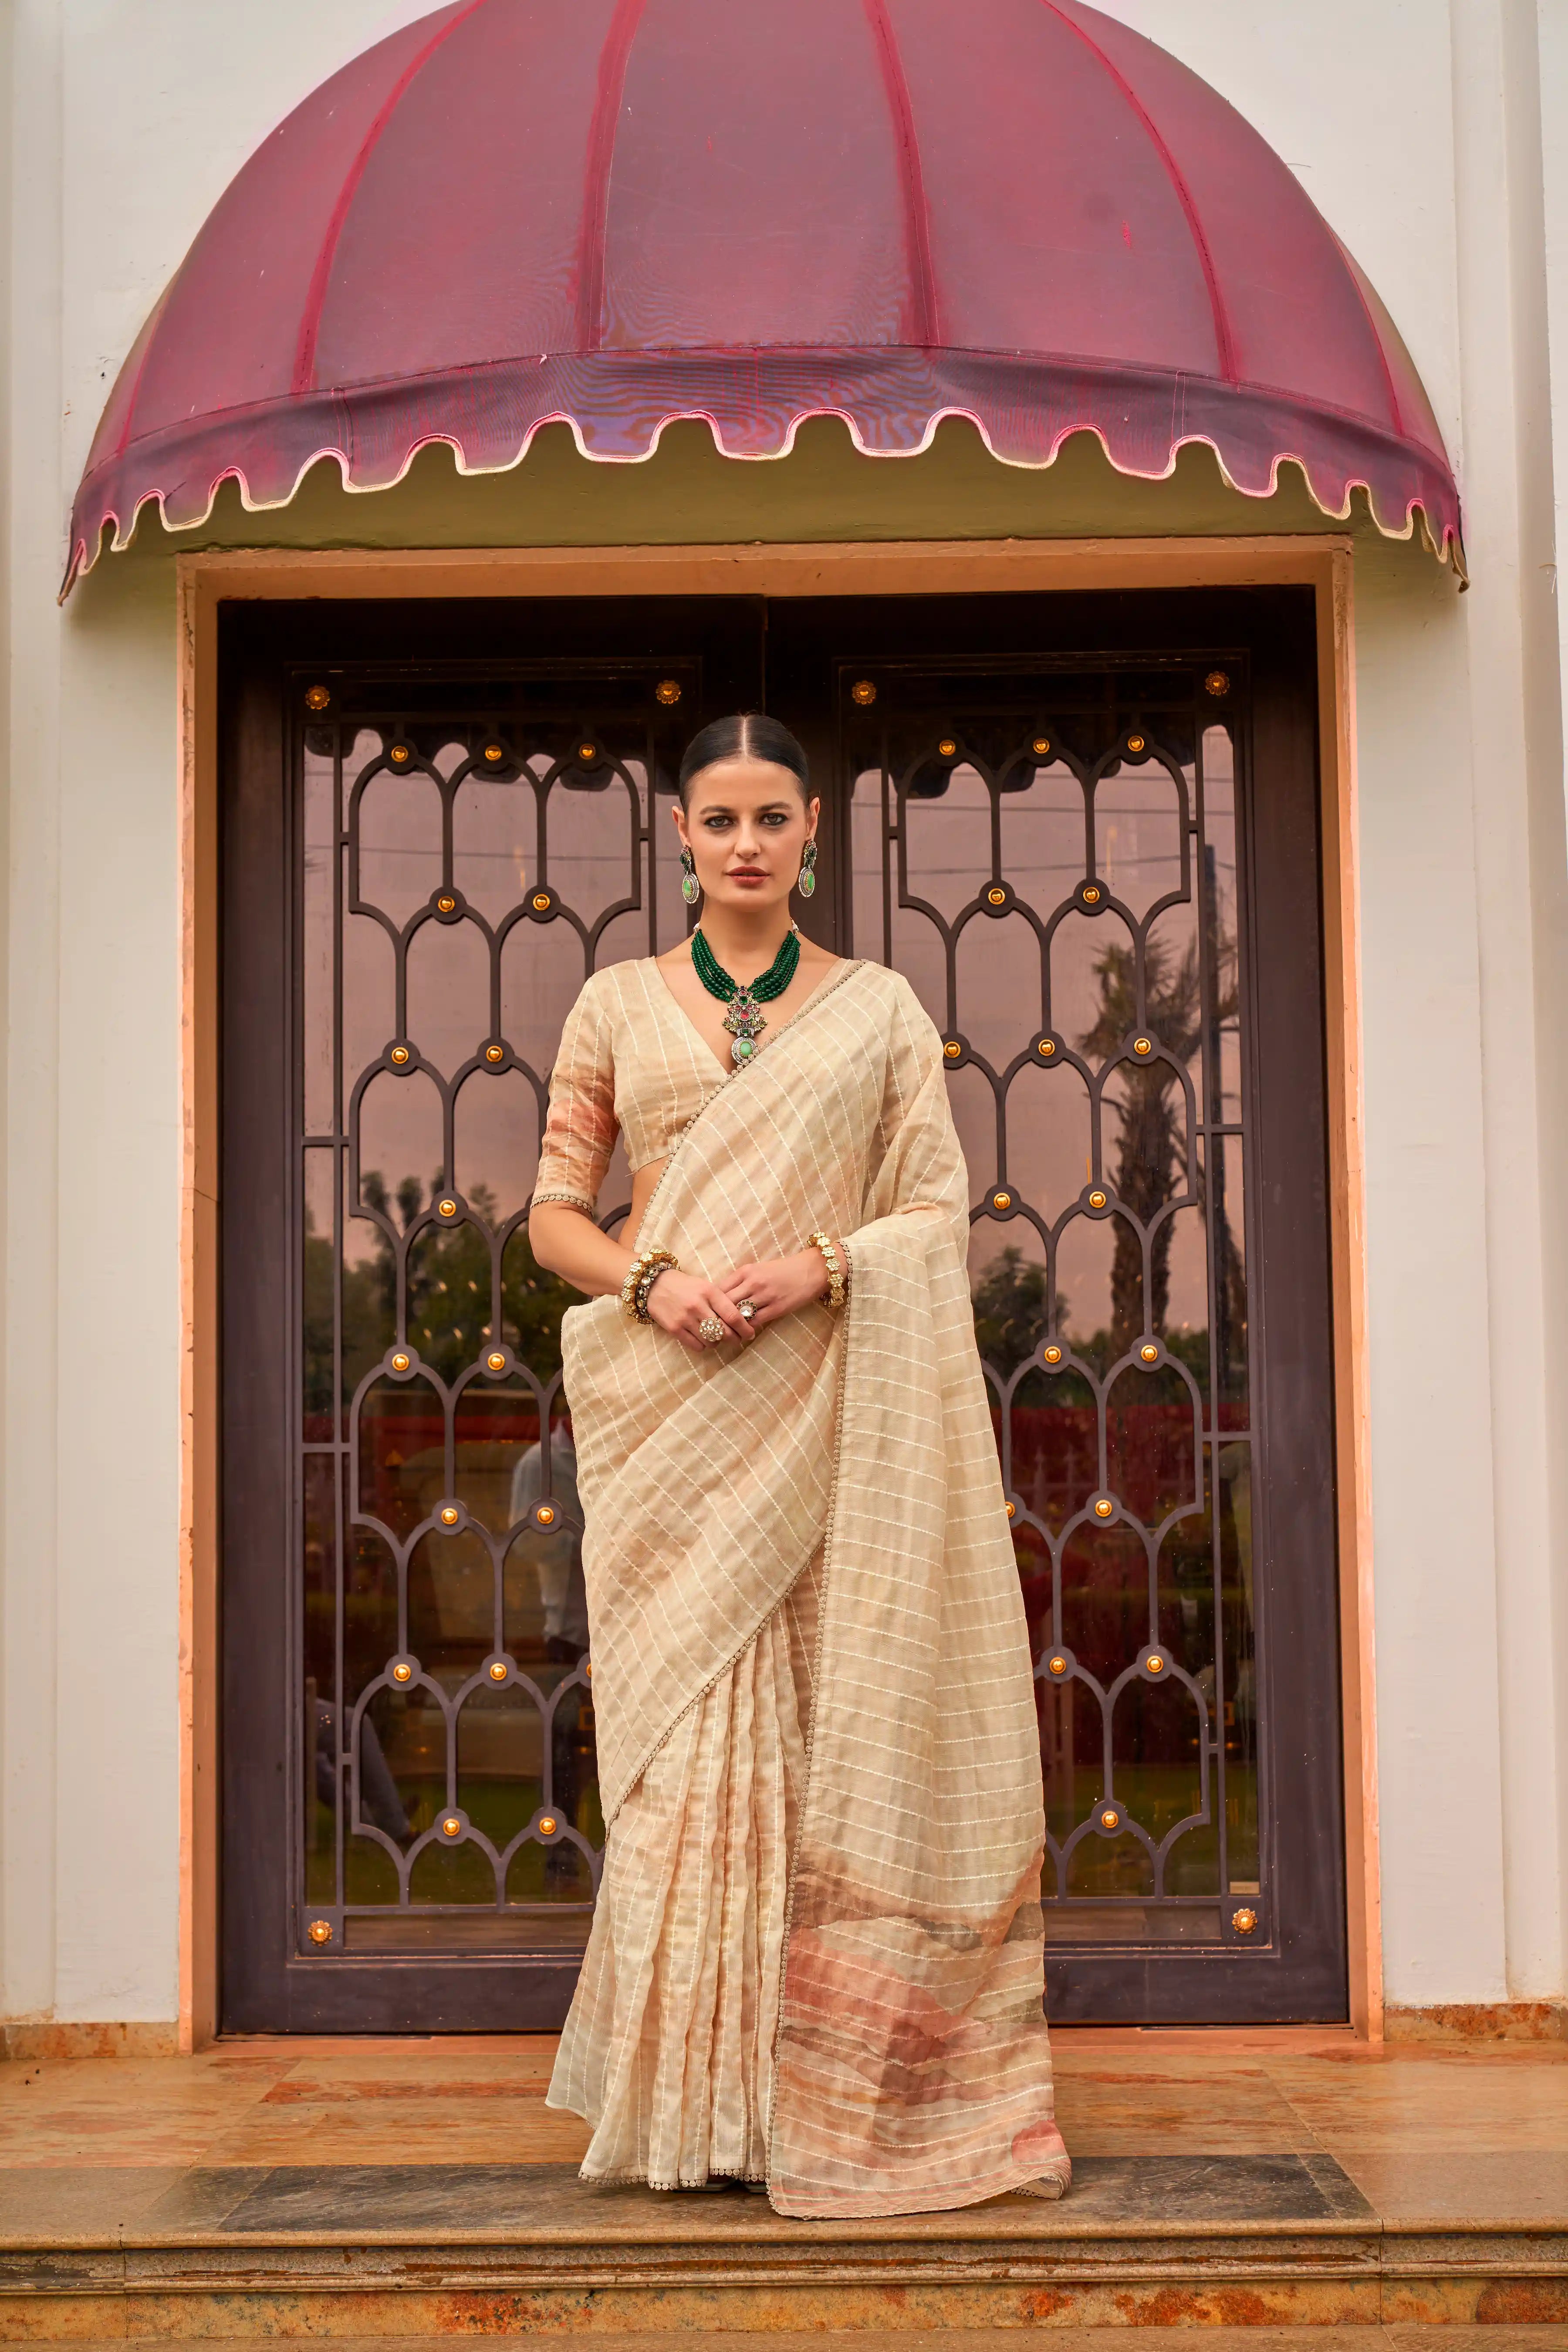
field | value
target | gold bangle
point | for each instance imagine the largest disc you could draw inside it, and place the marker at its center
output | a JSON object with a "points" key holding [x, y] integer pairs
{"points": [[838, 1287], [644, 1263], [645, 1291]]}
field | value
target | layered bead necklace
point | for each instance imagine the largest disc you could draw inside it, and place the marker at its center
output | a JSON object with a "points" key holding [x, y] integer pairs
{"points": [[744, 1020]]}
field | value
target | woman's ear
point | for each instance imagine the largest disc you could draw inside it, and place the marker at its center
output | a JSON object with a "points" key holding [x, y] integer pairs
{"points": [[813, 811], [678, 814]]}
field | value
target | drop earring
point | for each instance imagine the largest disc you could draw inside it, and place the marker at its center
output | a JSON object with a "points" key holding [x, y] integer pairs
{"points": [[691, 889], [806, 881]]}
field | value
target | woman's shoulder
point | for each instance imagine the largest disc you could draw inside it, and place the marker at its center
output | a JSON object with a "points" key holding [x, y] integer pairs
{"points": [[894, 995], [616, 986]]}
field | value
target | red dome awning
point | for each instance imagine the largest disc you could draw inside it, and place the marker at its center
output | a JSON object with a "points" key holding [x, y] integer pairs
{"points": [[621, 211]]}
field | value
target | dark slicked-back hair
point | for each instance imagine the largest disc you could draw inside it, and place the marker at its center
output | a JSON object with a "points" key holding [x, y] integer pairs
{"points": [[748, 735]]}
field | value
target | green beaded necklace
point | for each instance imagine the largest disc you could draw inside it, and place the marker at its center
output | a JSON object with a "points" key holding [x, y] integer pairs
{"points": [[744, 1021]]}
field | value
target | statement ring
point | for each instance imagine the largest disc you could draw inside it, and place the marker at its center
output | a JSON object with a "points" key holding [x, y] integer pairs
{"points": [[710, 1330], [746, 1306]]}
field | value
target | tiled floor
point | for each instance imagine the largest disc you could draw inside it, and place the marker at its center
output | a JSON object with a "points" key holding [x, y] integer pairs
{"points": [[1269, 2180], [1422, 2132]]}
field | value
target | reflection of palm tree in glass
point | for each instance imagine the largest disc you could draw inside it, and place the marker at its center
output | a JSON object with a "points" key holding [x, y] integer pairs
{"points": [[1010, 1308], [1151, 1155]]}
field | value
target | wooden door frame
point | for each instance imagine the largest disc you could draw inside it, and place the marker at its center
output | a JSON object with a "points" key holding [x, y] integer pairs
{"points": [[1321, 562]]}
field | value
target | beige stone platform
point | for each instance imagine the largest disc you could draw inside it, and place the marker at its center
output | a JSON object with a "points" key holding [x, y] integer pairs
{"points": [[379, 2191]]}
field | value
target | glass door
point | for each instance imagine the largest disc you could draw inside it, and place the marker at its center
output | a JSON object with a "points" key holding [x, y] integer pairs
{"points": [[1086, 830]]}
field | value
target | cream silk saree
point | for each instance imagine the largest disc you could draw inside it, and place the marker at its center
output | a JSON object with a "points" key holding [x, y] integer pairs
{"points": [[818, 1947]]}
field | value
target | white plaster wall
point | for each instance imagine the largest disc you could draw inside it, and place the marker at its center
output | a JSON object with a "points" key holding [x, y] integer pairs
{"points": [[126, 119], [1410, 122]]}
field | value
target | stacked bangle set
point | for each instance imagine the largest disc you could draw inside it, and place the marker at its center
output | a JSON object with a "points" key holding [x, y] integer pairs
{"points": [[641, 1274], [648, 1265]]}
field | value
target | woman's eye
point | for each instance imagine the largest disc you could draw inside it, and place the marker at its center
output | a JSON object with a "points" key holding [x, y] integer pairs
{"points": [[715, 823], [775, 818]]}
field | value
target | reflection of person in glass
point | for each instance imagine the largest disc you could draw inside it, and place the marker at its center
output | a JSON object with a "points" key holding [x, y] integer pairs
{"points": [[817, 1953], [556, 1553]]}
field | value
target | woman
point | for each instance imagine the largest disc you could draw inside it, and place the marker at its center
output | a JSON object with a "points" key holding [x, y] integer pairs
{"points": [[818, 1954]]}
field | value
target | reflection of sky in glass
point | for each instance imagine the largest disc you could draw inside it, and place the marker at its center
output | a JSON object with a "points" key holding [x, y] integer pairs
{"points": [[587, 836], [997, 968]]}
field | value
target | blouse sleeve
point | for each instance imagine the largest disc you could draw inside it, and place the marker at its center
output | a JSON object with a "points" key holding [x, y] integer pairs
{"points": [[580, 1130]]}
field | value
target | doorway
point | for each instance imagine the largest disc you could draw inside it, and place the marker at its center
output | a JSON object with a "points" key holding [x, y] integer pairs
{"points": [[1086, 827]]}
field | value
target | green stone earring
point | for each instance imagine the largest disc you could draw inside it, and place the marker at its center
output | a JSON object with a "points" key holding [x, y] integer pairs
{"points": [[806, 883], [691, 889]]}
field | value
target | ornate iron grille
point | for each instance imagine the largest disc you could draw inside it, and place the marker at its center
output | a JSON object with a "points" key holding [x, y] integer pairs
{"points": [[1053, 861], [470, 853], [1022, 842]]}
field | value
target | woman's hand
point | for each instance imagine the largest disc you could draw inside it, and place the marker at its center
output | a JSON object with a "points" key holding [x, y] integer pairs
{"points": [[778, 1286], [678, 1302]]}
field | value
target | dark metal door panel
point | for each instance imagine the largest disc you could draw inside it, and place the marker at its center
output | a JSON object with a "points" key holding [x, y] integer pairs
{"points": [[1086, 828], [419, 872], [438, 821]]}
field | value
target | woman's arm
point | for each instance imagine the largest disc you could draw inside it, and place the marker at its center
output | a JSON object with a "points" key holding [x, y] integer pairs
{"points": [[567, 1241]]}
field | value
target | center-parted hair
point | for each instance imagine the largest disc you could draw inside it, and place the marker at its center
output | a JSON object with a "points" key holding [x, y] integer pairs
{"points": [[747, 735]]}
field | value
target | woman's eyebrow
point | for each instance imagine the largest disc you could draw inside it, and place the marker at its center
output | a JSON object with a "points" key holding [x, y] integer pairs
{"points": [[722, 808]]}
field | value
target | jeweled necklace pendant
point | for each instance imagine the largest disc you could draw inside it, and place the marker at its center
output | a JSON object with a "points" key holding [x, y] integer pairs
{"points": [[745, 1024], [744, 1019]]}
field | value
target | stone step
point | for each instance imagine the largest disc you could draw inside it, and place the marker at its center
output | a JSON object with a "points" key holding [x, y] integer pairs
{"points": [[1391, 2338], [357, 2252]]}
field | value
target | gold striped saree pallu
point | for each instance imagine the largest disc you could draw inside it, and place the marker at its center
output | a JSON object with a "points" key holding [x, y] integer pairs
{"points": [[818, 1949]]}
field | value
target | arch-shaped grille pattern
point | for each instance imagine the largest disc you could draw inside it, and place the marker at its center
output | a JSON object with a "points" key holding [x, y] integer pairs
{"points": [[463, 869], [1054, 861]]}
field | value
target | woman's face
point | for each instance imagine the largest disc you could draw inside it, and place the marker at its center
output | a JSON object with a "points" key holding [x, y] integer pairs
{"points": [[746, 827]]}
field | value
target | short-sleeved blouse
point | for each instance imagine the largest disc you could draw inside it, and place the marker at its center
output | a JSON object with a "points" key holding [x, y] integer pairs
{"points": [[631, 1063]]}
